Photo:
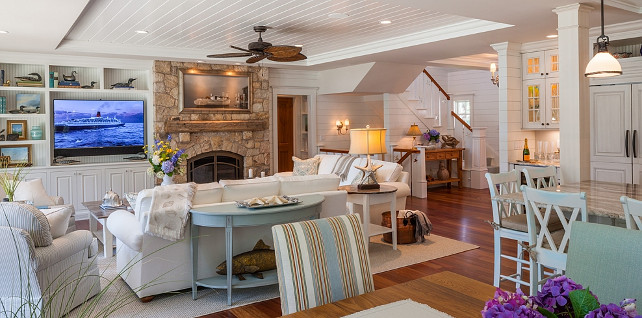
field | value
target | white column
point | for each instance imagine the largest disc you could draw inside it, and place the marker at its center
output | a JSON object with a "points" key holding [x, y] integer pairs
{"points": [[572, 28], [478, 150], [511, 136], [419, 183]]}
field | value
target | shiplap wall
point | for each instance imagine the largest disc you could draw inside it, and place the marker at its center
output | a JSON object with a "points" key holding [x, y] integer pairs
{"points": [[360, 110], [485, 109]]}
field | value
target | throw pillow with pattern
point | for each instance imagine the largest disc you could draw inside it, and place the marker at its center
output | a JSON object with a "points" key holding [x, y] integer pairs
{"points": [[305, 167]]}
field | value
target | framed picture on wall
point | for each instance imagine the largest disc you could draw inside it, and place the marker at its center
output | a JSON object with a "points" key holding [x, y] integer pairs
{"points": [[18, 127], [18, 154], [215, 91]]}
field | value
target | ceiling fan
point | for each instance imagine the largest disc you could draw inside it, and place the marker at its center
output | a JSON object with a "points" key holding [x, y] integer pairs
{"points": [[259, 50]]}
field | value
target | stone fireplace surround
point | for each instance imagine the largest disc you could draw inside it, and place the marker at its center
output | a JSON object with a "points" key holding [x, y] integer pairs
{"points": [[246, 134]]}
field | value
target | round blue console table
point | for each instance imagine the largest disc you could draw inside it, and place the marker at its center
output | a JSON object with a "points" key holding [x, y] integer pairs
{"points": [[229, 216]]}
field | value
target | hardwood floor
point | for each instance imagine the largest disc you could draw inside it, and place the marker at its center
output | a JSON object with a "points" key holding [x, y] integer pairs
{"points": [[459, 214]]}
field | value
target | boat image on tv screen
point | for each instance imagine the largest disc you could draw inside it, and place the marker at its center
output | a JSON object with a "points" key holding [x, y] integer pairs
{"points": [[98, 127]]}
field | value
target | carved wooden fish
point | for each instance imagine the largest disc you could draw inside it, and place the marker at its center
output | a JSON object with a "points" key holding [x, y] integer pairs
{"points": [[260, 258]]}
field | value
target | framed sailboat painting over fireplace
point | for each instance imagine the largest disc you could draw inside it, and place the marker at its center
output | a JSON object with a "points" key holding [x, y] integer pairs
{"points": [[214, 91]]}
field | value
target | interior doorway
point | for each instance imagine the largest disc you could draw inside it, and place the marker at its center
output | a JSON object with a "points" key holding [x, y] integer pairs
{"points": [[285, 119], [292, 131]]}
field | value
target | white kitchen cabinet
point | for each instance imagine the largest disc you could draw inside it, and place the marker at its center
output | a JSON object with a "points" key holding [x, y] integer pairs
{"points": [[616, 122], [540, 64], [541, 104]]}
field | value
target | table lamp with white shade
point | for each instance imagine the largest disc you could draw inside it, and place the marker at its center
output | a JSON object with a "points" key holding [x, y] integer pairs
{"points": [[368, 141], [414, 131]]}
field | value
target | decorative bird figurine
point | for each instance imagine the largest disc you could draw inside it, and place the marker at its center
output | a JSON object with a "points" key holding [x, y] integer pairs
{"points": [[124, 85], [70, 78], [89, 86], [35, 77]]}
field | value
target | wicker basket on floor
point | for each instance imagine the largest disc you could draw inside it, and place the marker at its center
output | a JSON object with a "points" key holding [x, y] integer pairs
{"points": [[405, 233]]}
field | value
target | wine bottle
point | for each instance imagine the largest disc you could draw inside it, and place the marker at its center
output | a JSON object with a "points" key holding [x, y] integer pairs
{"points": [[527, 153]]}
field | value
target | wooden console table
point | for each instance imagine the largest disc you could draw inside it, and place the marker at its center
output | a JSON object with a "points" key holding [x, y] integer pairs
{"points": [[447, 154]]}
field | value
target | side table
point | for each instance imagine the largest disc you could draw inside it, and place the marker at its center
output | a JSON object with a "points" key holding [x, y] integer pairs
{"points": [[375, 196], [98, 215], [448, 154], [229, 216]]}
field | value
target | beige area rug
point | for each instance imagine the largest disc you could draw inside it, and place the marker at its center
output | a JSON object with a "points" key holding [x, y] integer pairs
{"points": [[180, 304]]}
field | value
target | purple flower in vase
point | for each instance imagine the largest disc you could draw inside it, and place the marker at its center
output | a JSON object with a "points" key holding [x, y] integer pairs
{"points": [[506, 304], [554, 293], [167, 167], [432, 135]]}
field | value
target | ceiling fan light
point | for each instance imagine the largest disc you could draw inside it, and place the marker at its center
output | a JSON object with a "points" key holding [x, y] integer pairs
{"points": [[603, 64]]}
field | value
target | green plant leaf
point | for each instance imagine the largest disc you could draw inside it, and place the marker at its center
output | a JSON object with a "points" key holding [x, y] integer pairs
{"points": [[546, 313], [583, 302]]}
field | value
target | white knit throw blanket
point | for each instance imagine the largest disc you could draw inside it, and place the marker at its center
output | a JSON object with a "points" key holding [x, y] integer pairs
{"points": [[169, 210]]}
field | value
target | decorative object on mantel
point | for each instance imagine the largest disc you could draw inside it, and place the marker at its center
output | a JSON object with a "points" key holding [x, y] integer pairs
{"points": [[367, 141], [165, 161], [432, 136], [261, 258], [449, 141]]}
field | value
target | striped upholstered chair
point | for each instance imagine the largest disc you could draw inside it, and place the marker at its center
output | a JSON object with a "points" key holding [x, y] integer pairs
{"points": [[321, 261]]}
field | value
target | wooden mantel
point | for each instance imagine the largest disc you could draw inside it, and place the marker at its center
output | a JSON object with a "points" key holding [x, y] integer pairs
{"points": [[194, 126]]}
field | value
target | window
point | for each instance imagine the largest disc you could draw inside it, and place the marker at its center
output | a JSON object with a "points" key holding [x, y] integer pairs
{"points": [[462, 106]]}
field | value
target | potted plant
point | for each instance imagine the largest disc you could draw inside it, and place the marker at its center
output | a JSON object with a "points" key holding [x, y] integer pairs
{"points": [[10, 181], [432, 136]]}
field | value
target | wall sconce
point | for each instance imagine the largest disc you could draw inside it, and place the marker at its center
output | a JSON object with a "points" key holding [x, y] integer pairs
{"points": [[340, 125], [494, 77]]}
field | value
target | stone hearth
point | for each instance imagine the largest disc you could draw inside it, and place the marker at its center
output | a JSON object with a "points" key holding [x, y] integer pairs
{"points": [[247, 134]]}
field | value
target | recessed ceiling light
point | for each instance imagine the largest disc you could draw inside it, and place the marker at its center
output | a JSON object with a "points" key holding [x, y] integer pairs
{"points": [[551, 36], [337, 15], [298, 45], [385, 21], [4, 32], [142, 31]]}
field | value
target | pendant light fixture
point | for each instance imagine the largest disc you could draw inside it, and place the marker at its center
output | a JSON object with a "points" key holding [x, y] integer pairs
{"points": [[603, 64]]}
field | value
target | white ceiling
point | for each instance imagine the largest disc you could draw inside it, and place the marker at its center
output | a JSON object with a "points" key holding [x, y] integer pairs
{"points": [[421, 31]]}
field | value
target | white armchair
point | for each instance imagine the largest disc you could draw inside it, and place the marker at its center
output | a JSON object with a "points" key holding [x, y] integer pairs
{"points": [[43, 276]]}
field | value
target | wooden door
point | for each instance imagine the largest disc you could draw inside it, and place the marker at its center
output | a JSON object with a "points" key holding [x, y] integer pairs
{"points": [[285, 120]]}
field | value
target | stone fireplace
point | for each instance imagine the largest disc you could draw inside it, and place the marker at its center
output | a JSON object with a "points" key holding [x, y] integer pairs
{"points": [[201, 132], [214, 166]]}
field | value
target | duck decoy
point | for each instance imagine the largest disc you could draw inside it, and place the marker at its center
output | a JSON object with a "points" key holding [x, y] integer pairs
{"points": [[70, 78], [35, 77], [89, 86], [121, 85]]}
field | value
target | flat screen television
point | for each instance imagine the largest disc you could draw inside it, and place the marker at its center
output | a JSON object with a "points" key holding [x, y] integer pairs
{"points": [[98, 127]]}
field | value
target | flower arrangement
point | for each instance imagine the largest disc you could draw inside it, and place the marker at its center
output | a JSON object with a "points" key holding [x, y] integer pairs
{"points": [[164, 159], [559, 297], [432, 135]]}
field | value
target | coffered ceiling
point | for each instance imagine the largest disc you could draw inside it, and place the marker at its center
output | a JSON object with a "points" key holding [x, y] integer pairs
{"points": [[332, 32]]}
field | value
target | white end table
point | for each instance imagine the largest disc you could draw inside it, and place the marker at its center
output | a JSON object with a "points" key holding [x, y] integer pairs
{"points": [[370, 197], [98, 215]]}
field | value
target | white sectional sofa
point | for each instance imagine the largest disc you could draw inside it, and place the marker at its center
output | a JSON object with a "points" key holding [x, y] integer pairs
{"points": [[390, 173], [151, 265]]}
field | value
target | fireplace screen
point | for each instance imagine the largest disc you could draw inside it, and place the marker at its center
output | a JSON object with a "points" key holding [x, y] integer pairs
{"points": [[214, 166]]}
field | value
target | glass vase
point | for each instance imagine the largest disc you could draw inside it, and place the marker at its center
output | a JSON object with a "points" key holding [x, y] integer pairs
{"points": [[167, 180]]}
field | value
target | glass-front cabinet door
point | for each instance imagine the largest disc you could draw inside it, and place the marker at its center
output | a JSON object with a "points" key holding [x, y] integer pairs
{"points": [[533, 65], [533, 108], [553, 103], [552, 63]]}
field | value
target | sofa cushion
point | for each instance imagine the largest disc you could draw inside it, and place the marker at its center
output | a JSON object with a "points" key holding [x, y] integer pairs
{"points": [[33, 190], [327, 163], [308, 184], [234, 190], [389, 172], [305, 167], [208, 193], [354, 172], [58, 219]]}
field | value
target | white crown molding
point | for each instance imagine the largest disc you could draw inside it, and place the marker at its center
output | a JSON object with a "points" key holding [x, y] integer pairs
{"points": [[619, 31], [60, 59], [465, 28], [549, 44], [506, 47], [625, 5]]}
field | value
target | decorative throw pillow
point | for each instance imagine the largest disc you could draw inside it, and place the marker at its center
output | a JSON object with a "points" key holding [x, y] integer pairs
{"points": [[58, 219], [33, 190], [305, 167]]}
